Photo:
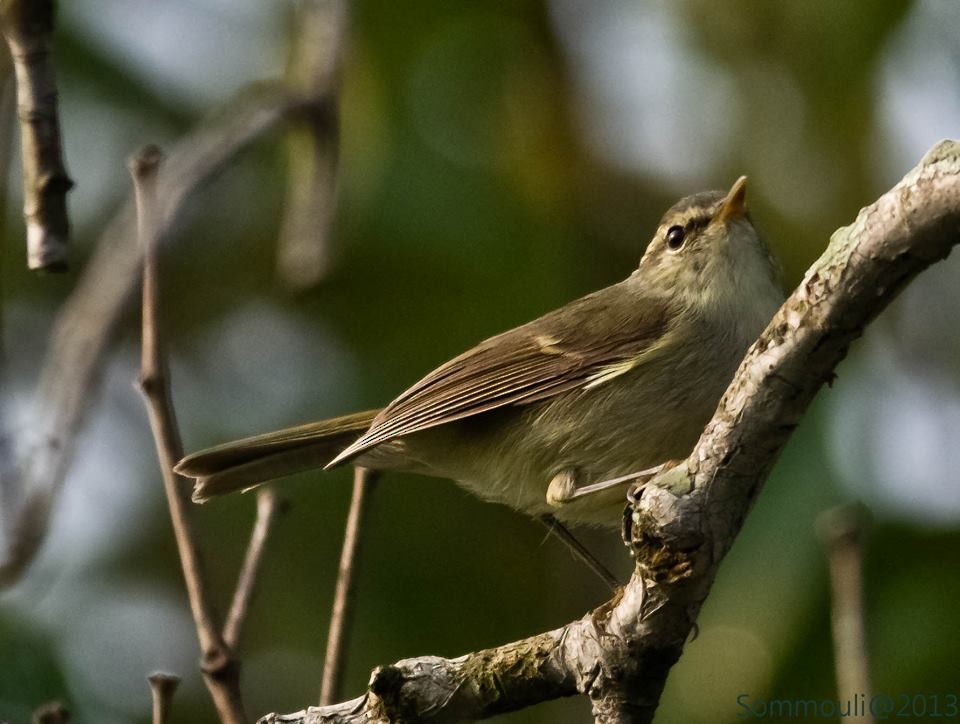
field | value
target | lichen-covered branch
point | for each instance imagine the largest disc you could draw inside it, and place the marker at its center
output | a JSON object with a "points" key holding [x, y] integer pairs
{"points": [[683, 522], [27, 26], [474, 686]]}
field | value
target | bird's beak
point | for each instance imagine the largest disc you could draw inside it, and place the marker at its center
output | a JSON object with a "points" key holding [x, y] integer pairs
{"points": [[735, 204]]}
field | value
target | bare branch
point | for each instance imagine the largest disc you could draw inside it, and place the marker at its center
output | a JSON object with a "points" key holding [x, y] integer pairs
{"points": [[71, 373], [313, 143], [162, 688], [217, 663], [27, 26], [476, 686], [8, 104], [52, 713], [7, 462], [842, 530], [684, 521], [268, 510], [364, 484]]}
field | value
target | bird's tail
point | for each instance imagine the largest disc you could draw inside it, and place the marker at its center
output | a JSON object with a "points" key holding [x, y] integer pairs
{"points": [[246, 463]]}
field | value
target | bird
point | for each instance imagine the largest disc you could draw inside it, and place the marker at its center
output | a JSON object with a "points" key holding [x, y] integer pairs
{"points": [[618, 381]]}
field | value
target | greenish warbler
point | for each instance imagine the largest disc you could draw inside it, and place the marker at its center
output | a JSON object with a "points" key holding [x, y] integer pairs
{"points": [[620, 380]]}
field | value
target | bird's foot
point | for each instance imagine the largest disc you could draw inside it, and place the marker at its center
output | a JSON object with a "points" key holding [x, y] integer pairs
{"points": [[563, 488]]}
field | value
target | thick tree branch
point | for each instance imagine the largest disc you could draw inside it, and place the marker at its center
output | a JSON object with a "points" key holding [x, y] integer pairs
{"points": [[27, 26], [475, 686], [683, 522], [71, 372]]}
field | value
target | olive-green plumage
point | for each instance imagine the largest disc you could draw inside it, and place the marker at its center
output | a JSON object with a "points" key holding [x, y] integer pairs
{"points": [[615, 382]]}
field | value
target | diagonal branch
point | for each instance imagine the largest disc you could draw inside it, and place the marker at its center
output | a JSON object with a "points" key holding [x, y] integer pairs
{"points": [[684, 521], [268, 511], [70, 374], [27, 26]]}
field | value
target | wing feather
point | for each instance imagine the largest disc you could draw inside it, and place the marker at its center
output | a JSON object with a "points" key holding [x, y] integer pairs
{"points": [[575, 347]]}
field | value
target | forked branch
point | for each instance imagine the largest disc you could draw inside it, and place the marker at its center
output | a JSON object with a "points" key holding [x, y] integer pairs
{"points": [[71, 372], [219, 667]]}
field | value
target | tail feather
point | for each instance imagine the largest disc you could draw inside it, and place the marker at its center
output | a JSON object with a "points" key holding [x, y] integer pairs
{"points": [[254, 460]]}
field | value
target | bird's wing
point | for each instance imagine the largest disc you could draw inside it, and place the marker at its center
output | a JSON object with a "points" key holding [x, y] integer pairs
{"points": [[588, 342]]}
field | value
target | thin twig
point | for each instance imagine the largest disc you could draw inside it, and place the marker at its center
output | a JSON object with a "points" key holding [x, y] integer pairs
{"points": [[8, 105], [27, 26], [8, 500], [217, 663], [268, 509], [842, 531], [52, 713], [73, 368], [313, 143], [162, 688], [334, 663]]}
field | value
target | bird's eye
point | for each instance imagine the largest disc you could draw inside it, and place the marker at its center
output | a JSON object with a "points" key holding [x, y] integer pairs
{"points": [[675, 237]]}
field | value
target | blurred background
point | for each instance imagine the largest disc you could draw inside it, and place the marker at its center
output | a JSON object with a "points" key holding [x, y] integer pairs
{"points": [[498, 159]]}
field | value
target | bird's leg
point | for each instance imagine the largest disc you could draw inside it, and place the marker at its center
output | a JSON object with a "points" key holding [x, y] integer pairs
{"points": [[563, 489], [579, 550]]}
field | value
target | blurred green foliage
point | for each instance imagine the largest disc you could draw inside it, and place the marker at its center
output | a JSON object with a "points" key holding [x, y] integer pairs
{"points": [[473, 197]]}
